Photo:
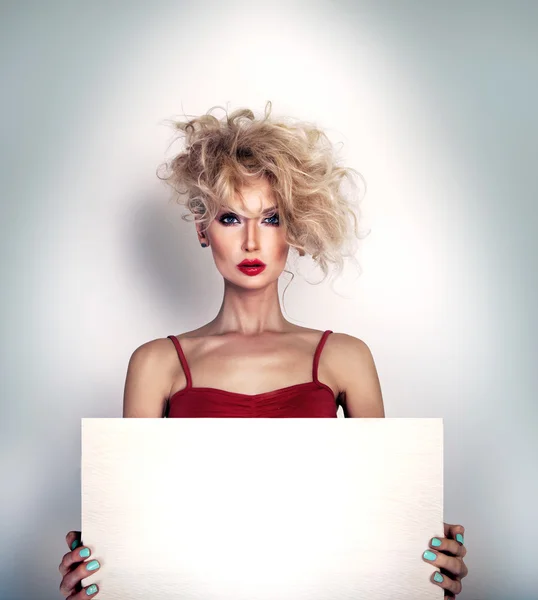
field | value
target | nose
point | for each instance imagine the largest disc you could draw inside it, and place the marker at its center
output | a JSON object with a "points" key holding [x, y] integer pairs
{"points": [[251, 241]]}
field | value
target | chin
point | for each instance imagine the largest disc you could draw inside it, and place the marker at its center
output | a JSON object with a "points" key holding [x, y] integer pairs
{"points": [[249, 282]]}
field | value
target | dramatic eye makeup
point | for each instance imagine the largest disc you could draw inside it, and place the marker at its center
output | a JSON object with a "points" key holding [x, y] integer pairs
{"points": [[227, 219], [274, 219], [224, 218]]}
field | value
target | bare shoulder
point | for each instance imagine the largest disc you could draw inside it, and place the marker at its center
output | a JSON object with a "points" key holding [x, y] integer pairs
{"points": [[356, 373], [153, 353], [147, 383], [347, 353], [162, 350], [345, 342]]}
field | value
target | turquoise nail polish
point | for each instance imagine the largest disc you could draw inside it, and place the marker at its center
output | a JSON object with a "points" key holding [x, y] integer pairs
{"points": [[438, 577], [459, 538], [92, 565], [429, 555], [85, 552], [436, 542], [91, 589], [74, 544]]}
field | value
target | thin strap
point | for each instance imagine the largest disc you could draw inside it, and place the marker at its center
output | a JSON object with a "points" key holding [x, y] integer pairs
{"points": [[318, 354], [182, 360]]}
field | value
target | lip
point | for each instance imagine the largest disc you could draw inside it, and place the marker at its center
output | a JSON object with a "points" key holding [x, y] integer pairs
{"points": [[247, 267], [251, 262]]}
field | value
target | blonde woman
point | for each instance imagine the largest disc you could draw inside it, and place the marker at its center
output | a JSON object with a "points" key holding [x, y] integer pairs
{"points": [[258, 188]]}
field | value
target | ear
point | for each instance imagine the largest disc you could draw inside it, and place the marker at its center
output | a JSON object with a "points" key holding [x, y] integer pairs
{"points": [[202, 237]]}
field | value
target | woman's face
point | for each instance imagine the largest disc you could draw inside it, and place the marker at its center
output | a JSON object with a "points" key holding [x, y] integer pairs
{"points": [[249, 230]]}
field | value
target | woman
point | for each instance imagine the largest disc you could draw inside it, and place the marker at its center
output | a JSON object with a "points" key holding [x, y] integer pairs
{"points": [[257, 188]]}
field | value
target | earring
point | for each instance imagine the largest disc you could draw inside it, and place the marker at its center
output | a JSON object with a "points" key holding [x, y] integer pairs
{"points": [[204, 245]]}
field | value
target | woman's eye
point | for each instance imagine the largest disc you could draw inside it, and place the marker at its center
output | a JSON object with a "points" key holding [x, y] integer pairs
{"points": [[224, 218], [227, 219], [274, 218]]}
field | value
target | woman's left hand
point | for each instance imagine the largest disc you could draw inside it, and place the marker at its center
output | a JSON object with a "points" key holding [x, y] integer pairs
{"points": [[447, 553]]}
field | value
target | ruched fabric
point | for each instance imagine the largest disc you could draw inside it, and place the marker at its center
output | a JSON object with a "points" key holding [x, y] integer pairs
{"points": [[311, 399]]}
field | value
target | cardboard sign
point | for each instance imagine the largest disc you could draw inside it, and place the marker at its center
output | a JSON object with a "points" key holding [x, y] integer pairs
{"points": [[262, 509]]}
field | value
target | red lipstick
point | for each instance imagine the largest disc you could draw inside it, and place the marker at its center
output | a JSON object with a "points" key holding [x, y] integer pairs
{"points": [[251, 267]]}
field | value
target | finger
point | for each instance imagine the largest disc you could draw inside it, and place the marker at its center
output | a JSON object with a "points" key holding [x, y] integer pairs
{"points": [[87, 592], [450, 564], [446, 545], [71, 538], [71, 580], [73, 558], [464, 571], [455, 532], [451, 586]]}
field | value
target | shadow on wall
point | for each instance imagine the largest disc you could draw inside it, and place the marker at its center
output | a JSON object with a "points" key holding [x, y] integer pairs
{"points": [[163, 255], [43, 518]]}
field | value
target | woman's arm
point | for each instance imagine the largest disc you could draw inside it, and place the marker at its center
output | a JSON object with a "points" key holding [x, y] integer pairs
{"points": [[358, 379], [147, 384]]}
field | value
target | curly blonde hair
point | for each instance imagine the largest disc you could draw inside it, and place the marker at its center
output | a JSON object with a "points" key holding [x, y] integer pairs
{"points": [[298, 160]]}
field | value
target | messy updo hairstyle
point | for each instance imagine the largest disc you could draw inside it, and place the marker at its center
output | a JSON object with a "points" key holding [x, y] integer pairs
{"points": [[298, 160]]}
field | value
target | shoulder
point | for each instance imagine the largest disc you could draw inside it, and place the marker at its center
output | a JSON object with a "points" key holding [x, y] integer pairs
{"points": [[347, 355], [341, 352], [355, 370], [155, 359], [153, 352], [147, 383], [160, 356], [150, 373], [348, 352], [162, 350], [345, 342]]}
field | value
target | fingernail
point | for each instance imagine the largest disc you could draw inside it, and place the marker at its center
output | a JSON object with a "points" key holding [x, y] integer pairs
{"points": [[92, 565], [459, 538], [85, 552], [438, 577], [436, 542], [91, 589], [429, 555], [74, 544]]}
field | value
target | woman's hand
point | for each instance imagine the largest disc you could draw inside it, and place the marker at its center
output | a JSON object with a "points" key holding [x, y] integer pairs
{"points": [[447, 553], [74, 569]]}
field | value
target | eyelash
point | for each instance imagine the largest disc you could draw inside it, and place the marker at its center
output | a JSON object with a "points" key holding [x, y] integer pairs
{"points": [[232, 216]]}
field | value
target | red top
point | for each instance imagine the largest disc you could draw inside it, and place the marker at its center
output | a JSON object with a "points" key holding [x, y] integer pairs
{"points": [[312, 399]]}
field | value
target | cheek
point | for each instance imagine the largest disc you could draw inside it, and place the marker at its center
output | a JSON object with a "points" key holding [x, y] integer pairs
{"points": [[283, 242], [219, 244], [220, 253], [283, 252]]}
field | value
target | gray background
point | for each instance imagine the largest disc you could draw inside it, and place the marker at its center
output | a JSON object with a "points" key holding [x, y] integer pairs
{"points": [[435, 104]]}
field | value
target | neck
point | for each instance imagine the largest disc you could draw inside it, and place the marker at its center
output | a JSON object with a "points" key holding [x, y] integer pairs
{"points": [[249, 312]]}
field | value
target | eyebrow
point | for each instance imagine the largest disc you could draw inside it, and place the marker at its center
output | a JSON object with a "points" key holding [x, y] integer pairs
{"points": [[267, 211]]}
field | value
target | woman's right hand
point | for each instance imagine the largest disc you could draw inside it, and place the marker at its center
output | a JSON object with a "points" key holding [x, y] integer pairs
{"points": [[73, 569]]}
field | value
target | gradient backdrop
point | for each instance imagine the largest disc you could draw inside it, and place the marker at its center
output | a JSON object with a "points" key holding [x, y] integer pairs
{"points": [[435, 104]]}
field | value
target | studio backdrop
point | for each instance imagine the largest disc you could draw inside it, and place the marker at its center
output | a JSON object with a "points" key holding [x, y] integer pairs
{"points": [[434, 104]]}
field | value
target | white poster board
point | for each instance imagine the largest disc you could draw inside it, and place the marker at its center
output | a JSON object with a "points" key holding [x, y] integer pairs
{"points": [[262, 509]]}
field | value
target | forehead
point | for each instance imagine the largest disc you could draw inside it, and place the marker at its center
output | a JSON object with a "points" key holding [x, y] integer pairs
{"points": [[253, 200]]}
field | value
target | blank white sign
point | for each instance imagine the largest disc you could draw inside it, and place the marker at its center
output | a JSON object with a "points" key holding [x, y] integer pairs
{"points": [[262, 509]]}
